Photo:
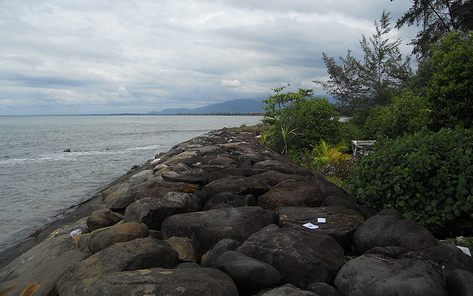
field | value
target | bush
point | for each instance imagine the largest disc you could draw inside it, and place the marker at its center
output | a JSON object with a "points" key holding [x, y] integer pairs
{"points": [[426, 176]]}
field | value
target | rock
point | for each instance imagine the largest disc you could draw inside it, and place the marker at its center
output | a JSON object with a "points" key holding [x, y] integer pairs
{"points": [[189, 200], [449, 257], [141, 177], [460, 283], [121, 200], [225, 161], [105, 237], [186, 265], [133, 255], [291, 193], [301, 256], [152, 211], [186, 178], [236, 185], [388, 229], [184, 247], [186, 157], [250, 275], [37, 270], [374, 275], [209, 227], [288, 290], [103, 218], [226, 244], [272, 178], [323, 289], [340, 223], [159, 281], [275, 165], [232, 199]]}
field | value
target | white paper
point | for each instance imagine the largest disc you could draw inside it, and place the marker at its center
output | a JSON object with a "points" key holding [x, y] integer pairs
{"points": [[465, 250], [321, 220], [310, 226]]}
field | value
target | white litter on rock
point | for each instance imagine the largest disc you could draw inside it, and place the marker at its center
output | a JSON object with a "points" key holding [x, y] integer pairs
{"points": [[310, 226], [321, 220], [75, 232], [465, 250]]}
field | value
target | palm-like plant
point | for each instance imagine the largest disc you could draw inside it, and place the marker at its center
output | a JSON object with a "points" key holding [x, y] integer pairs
{"points": [[287, 135], [324, 154]]}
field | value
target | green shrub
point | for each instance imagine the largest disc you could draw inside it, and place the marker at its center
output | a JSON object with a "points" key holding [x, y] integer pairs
{"points": [[427, 176]]}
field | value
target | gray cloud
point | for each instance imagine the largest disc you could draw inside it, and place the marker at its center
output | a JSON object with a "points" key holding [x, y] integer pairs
{"points": [[61, 57]]}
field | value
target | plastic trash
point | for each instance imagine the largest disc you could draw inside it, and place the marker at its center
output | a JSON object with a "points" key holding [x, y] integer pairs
{"points": [[75, 232]]}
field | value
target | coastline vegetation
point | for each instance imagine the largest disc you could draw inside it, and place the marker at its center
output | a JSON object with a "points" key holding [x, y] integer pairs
{"points": [[422, 120]]}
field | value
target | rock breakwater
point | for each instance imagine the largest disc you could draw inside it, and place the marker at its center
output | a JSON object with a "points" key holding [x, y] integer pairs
{"points": [[222, 215]]}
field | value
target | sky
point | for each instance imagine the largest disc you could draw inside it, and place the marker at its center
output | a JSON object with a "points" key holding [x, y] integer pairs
{"points": [[137, 56]]}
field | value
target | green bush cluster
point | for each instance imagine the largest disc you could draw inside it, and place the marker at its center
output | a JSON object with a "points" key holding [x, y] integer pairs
{"points": [[427, 176]]}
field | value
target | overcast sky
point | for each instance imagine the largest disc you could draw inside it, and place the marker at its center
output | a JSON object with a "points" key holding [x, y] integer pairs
{"points": [[89, 56]]}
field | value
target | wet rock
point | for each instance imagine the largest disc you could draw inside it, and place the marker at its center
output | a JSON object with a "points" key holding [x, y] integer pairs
{"points": [[152, 211], [250, 275], [159, 281], [340, 223], [374, 275], [105, 237], [301, 256], [232, 199], [209, 227], [37, 270], [291, 193], [133, 255], [103, 218], [388, 228]]}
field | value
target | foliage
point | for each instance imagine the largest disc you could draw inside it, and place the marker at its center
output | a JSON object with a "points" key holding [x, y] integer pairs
{"points": [[363, 84], [436, 18], [449, 89], [407, 114], [325, 159], [299, 120], [426, 176]]}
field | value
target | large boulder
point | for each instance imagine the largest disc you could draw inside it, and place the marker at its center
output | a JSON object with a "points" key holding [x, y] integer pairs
{"points": [[153, 211], [291, 193], [186, 157], [159, 281], [37, 270], [209, 259], [287, 290], [103, 218], [339, 222], [388, 228], [235, 184], [250, 275], [460, 283], [230, 198], [137, 254], [301, 256], [209, 227], [374, 275], [105, 237]]}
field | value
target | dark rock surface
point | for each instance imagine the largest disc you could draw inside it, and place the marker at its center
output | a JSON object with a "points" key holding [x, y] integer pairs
{"points": [[222, 215]]}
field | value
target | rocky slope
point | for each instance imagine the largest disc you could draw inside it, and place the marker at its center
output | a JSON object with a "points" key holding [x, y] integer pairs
{"points": [[222, 215]]}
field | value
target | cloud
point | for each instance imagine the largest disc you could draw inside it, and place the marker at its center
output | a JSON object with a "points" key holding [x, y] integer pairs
{"points": [[231, 83], [144, 55]]}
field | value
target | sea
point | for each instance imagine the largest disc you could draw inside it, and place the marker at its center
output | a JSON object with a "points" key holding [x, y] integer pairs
{"points": [[39, 181]]}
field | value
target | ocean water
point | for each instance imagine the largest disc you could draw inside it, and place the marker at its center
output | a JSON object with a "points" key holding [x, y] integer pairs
{"points": [[39, 181]]}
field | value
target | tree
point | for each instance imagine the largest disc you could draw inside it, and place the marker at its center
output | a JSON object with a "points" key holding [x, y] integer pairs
{"points": [[300, 120], [374, 81], [436, 18], [449, 89]]}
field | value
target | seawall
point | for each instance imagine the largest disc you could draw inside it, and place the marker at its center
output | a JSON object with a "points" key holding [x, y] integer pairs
{"points": [[221, 214]]}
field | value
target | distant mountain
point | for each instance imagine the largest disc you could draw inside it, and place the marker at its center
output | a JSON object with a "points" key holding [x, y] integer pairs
{"points": [[235, 106]]}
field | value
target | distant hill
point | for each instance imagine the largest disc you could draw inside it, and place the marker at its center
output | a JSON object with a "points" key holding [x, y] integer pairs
{"points": [[235, 106]]}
